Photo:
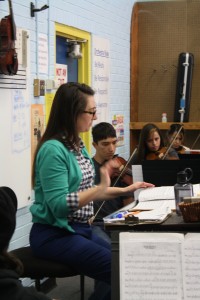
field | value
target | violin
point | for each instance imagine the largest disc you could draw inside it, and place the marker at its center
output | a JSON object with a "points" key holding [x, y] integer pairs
{"points": [[156, 155], [126, 176], [180, 150], [125, 171], [160, 155], [8, 54]]}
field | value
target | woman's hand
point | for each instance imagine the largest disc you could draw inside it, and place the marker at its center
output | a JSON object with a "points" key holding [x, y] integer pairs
{"points": [[137, 185], [103, 191], [108, 192], [107, 170]]}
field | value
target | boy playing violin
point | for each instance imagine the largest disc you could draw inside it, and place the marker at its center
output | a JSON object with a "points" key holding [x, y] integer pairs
{"points": [[151, 146], [105, 142]]}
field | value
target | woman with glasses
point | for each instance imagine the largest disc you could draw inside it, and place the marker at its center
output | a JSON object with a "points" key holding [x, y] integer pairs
{"points": [[63, 181]]}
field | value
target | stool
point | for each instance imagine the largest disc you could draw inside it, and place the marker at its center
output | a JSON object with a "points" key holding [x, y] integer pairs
{"points": [[37, 268]]}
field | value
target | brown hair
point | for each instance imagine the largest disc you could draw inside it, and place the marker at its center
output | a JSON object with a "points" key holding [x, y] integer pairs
{"points": [[69, 102], [174, 128], [144, 135]]}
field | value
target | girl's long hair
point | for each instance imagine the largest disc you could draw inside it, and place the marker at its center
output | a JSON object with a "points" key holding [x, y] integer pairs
{"points": [[144, 135]]}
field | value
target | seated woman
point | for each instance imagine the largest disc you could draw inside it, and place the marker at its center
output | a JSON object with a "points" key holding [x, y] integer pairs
{"points": [[63, 181], [151, 146], [179, 140]]}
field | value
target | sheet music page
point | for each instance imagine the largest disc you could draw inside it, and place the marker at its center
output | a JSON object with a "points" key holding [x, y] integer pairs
{"points": [[150, 266], [161, 192], [146, 205], [157, 193], [196, 189], [191, 263], [137, 175], [158, 214]]}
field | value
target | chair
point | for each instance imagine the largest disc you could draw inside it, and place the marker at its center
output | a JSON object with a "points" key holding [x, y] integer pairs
{"points": [[37, 268]]}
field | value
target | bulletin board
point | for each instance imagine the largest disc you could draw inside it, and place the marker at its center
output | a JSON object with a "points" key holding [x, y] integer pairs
{"points": [[15, 146]]}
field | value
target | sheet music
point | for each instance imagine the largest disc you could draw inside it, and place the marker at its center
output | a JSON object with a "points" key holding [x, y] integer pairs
{"points": [[158, 214], [150, 266], [137, 175], [157, 193], [146, 205], [162, 192], [196, 189], [191, 263]]}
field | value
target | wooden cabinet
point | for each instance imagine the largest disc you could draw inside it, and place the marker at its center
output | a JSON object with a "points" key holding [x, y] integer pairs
{"points": [[191, 128], [159, 33]]}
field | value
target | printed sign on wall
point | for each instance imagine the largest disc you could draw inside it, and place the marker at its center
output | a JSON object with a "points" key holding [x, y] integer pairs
{"points": [[43, 55], [101, 76], [61, 74]]}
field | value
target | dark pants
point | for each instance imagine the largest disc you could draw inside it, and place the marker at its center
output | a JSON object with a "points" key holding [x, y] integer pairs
{"points": [[98, 229], [83, 250]]}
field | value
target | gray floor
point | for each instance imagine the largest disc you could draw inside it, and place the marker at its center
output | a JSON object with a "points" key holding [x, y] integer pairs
{"points": [[69, 288]]}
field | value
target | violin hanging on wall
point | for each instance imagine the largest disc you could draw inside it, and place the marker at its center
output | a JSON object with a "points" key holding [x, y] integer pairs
{"points": [[8, 54]]}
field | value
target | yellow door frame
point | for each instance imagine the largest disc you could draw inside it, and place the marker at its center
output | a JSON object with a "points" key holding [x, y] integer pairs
{"points": [[84, 64]]}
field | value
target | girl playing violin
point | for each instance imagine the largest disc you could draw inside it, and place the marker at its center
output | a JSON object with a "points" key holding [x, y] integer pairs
{"points": [[151, 146], [178, 142]]}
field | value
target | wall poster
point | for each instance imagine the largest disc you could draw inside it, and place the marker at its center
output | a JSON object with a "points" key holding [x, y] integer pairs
{"points": [[101, 76], [37, 126], [118, 124]]}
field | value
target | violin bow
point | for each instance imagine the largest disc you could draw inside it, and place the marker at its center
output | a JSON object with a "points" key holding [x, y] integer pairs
{"points": [[170, 145], [114, 184], [195, 141], [124, 168]]}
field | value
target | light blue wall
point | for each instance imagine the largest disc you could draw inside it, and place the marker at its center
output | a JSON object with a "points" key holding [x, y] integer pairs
{"points": [[110, 19]]}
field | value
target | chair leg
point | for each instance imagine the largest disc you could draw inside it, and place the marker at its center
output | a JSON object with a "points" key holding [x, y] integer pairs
{"points": [[82, 285], [37, 284]]}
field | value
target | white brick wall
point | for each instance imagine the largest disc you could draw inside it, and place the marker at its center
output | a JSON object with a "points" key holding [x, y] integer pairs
{"points": [[110, 19]]}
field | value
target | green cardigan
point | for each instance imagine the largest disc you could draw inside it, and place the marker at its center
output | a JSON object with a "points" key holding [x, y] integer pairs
{"points": [[57, 174]]}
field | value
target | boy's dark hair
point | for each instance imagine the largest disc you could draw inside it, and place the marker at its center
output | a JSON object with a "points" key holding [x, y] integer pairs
{"points": [[103, 131]]}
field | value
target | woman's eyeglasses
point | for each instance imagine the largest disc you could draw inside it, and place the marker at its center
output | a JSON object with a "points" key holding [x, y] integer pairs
{"points": [[93, 113]]}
